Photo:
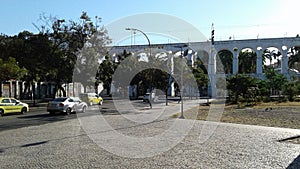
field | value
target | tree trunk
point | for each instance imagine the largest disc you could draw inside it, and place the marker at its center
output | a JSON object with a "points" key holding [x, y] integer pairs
{"points": [[55, 90], [1, 84], [108, 90], [84, 88], [23, 93], [33, 93], [64, 94]]}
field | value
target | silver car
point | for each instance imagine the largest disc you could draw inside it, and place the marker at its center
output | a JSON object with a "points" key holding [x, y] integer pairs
{"points": [[66, 105]]}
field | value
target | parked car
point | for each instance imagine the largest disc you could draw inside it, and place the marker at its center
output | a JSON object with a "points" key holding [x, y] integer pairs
{"points": [[91, 98], [11, 105], [66, 105], [146, 97]]}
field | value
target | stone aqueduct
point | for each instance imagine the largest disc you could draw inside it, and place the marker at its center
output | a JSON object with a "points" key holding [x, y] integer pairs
{"points": [[234, 46]]}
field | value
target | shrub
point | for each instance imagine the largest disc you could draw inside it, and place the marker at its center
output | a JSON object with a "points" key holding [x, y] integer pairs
{"points": [[290, 90]]}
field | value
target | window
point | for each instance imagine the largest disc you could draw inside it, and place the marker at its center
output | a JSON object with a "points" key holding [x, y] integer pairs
{"points": [[60, 99], [5, 101], [13, 101]]}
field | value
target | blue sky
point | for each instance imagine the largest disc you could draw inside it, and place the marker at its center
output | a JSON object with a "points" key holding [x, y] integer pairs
{"points": [[240, 19]]}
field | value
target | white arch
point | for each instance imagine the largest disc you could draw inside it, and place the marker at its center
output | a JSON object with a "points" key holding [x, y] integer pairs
{"points": [[234, 46]]}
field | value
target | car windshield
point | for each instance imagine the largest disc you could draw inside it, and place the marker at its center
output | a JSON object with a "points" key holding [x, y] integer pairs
{"points": [[76, 99], [92, 95], [13, 100], [60, 99]]}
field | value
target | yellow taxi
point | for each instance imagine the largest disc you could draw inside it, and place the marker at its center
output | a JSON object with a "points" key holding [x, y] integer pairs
{"points": [[11, 105], [91, 98]]}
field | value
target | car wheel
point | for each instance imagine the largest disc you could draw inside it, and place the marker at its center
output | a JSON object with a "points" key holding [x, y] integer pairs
{"points": [[91, 103], [51, 112], [24, 110], [101, 102], [69, 110], [83, 109], [1, 112]]}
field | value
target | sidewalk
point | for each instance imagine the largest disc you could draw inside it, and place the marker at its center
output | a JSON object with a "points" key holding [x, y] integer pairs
{"points": [[35, 103], [159, 107]]}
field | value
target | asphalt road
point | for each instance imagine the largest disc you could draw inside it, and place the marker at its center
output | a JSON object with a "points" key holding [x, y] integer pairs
{"points": [[39, 115]]}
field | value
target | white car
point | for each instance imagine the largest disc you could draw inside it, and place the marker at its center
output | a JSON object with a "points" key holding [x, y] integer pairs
{"points": [[66, 105], [146, 97]]}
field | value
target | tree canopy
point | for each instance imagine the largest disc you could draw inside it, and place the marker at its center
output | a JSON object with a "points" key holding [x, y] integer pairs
{"points": [[9, 70], [52, 54]]}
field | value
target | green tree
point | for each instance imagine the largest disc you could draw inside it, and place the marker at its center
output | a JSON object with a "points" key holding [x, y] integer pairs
{"points": [[202, 61], [104, 73], [29, 51], [274, 79], [226, 58], [264, 91], [242, 87], [290, 90], [9, 70], [200, 77], [294, 59], [68, 38], [247, 61], [93, 51], [270, 55]]}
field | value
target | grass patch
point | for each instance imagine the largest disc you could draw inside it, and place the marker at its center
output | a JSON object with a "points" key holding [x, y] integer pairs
{"points": [[272, 114], [175, 115]]}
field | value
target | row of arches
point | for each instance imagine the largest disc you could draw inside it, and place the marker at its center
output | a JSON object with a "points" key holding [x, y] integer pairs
{"points": [[253, 61], [237, 56]]}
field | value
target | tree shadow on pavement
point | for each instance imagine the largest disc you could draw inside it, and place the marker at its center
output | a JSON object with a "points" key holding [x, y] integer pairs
{"points": [[48, 117], [295, 164]]}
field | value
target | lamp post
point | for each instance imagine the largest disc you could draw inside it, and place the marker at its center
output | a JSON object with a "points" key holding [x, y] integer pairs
{"points": [[149, 44], [171, 70], [181, 77], [182, 88], [134, 29]]}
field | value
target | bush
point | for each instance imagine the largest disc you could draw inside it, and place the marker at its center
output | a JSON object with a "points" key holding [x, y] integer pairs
{"points": [[290, 90], [243, 88]]}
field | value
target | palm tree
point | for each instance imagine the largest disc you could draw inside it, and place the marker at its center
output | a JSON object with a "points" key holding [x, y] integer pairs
{"points": [[247, 61], [226, 58], [294, 58], [270, 55]]}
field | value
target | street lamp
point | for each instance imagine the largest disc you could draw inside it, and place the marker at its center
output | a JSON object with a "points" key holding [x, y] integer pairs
{"points": [[134, 29], [181, 74]]}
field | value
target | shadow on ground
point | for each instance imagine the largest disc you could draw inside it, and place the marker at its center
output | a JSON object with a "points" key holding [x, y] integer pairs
{"points": [[295, 164]]}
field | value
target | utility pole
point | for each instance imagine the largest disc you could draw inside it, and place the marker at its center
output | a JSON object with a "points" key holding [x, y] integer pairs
{"points": [[212, 64], [149, 44], [212, 34]]}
